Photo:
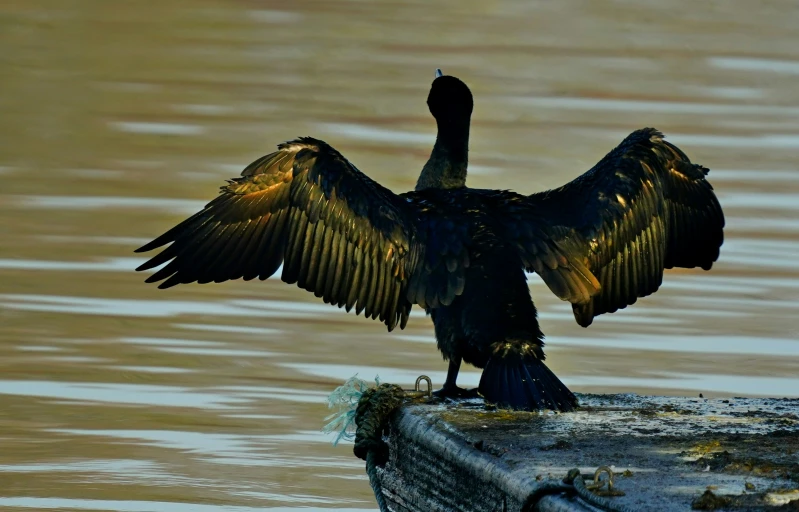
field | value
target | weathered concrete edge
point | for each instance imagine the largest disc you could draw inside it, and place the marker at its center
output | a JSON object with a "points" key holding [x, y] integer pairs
{"points": [[449, 445]]}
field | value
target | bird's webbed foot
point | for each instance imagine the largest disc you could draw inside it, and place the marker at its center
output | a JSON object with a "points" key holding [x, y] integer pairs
{"points": [[455, 392], [450, 389]]}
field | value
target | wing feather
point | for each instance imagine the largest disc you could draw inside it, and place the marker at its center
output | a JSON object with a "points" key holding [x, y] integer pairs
{"points": [[337, 233], [642, 209]]}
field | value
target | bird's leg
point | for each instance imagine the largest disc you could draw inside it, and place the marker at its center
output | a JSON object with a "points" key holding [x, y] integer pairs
{"points": [[451, 389]]}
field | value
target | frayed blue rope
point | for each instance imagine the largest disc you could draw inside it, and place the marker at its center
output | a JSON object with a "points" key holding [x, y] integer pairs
{"points": [[345, 398]]}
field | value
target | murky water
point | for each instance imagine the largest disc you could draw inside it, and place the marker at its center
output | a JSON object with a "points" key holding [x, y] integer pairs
{"points": [[120, 118]]}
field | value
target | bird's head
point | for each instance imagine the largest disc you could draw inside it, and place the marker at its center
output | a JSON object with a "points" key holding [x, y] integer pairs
{"points": [[450, 101]]}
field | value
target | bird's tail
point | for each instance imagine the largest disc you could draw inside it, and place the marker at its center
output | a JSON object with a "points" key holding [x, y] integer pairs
{"points": [[525, 384]]}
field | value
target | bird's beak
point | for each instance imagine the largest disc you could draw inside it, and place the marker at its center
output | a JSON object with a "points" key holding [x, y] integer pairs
{"points": [[439, 73]]}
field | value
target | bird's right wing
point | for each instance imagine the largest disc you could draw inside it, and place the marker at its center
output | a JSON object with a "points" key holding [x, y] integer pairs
{"points": [[337, 233], [604, 239]]}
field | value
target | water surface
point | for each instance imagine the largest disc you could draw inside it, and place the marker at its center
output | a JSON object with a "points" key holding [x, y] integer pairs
{"points": [[120, 119]]}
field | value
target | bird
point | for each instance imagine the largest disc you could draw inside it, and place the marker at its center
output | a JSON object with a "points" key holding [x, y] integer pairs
{"points": [[462, 254]]}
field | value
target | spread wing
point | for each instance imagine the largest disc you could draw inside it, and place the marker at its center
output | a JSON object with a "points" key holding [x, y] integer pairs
{"points": [[337, 233], [643, 208]]}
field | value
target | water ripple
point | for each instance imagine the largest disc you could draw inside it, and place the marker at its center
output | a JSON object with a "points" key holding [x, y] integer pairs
{"points": [[138, 394], [145, 506]]}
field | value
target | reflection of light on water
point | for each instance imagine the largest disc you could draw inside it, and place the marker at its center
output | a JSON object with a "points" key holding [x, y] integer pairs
{"points": [[730, 284], [308, 436], [759, 253], [751, 175], [430, 338], [738, 93], [167, 342], [275, 393], [259, 416], [196, 347], [154, 506], [144, 467], [203, 109], [139, 394], [302, 498], [203, 443], [745, 385], [762, 224], [106, 174], [104, 265], [127, 87], [39, 348], [627, 316], [744, 303], [236, 449], [661, 107], [483, 169], [175, 205], [372, 133], [164, 308], [89, 239], [167, 308], [152, 369], [157, 128], [788, 67], [218, 397], [743, 345], [110, 470], [274, 16], [117, 307], [227, 352], [230, 329], [765, 201]]}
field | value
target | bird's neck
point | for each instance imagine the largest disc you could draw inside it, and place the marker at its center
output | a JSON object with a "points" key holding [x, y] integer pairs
{"points": [[446, 167]]}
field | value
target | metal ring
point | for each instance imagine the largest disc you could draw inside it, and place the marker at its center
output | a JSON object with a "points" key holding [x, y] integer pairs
{"points": [[598, 484], [418, 393]]}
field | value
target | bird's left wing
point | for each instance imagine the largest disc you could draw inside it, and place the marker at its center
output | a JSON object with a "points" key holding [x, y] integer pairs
{"points": [[338, 233], [604, 239]]}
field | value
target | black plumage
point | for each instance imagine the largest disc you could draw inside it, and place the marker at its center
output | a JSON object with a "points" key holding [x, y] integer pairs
{"points": [[599, 242]]}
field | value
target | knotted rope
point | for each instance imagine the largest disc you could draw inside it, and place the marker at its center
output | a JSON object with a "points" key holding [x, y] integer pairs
{"points": [[370, 414]]}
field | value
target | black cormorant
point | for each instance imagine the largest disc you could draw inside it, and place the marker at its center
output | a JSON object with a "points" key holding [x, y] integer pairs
{"points": [[599, 242]]}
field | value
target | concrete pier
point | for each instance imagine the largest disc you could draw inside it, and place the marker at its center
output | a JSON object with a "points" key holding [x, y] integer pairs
{"points": [[666, 454]]}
